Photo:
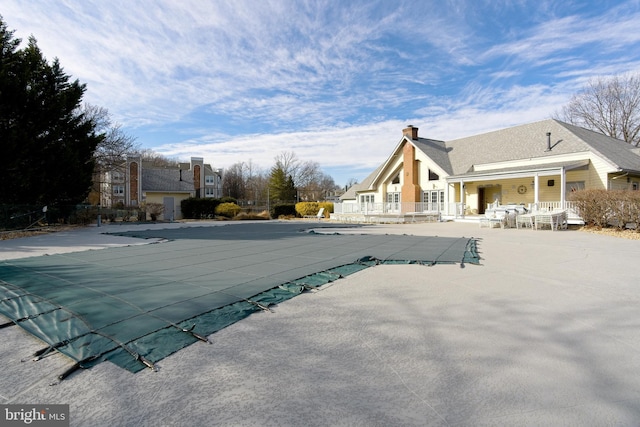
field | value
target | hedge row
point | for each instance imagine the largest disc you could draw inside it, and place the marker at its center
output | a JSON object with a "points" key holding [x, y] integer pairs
{"points": [[608, 208]]}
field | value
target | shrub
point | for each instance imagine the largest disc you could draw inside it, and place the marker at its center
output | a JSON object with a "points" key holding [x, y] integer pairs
{"points": [[307, 208], [228, 199], [283, 210], [228, 210], [195, 208], [250, 215], [604, 208], [154, 210], [312, 208], [328, 208]]}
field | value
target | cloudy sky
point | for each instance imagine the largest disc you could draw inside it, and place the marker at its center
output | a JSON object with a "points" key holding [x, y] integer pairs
{"points": [[332, 81]]}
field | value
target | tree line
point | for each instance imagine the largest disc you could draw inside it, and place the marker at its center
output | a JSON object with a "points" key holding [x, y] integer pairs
{"points": [[289, 179]]}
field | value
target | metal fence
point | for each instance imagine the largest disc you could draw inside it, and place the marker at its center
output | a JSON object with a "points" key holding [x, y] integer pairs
{"points": [[25, 217]]}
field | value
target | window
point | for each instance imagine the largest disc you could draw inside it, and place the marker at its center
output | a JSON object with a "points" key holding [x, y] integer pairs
{"points": [[433, 176], [118, 190], [396, 179], [209, 192], [393, 201], [433, 200], [117, 176], [369, 198], [572, 187], [209, 179]]}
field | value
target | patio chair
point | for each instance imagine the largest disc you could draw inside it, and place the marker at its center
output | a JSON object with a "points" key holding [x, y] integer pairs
{"points": [[493, 218], [524, 221], [543, 219], [562, 220], [319, 215]]}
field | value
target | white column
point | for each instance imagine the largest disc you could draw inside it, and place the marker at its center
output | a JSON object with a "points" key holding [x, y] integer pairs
{"points": [[536, 187], [461, 198], [563, 187]]}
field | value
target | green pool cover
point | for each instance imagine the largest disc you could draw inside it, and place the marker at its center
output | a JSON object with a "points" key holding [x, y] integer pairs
{"points": [[136, 305]]}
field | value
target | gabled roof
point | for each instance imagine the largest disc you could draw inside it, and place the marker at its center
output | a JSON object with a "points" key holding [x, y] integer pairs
{"points": [[530, 141], [167, 180]]}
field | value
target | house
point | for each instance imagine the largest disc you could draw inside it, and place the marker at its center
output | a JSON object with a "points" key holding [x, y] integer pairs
{"points": [[139, 182], [537, 165]]}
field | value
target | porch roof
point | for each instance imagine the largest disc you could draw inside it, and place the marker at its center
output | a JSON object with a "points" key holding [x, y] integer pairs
{"points": [[520, 171]]}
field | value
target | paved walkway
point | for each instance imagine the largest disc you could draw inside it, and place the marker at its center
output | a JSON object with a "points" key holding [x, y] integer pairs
{"points": [[545, 332]]}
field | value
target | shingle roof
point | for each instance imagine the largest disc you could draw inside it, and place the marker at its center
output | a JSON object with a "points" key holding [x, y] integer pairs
{"points": [[616, 151], [436, 151], [530, 141], [168, 180]]}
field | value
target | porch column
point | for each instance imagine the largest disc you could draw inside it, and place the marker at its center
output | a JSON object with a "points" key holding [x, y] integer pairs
{"points": [[536, 187], [563, 187], [461, 199], [446, 198]]}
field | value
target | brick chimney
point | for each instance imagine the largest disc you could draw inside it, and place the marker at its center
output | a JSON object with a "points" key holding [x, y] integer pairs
{"points": [[410, 132]]}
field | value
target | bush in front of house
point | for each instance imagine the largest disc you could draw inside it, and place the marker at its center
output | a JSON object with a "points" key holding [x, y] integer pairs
{"points": [[228, 210], [606, 208], [154, 210]]}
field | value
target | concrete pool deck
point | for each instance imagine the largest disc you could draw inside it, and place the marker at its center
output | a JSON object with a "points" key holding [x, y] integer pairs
{"points": [[545, 332]]}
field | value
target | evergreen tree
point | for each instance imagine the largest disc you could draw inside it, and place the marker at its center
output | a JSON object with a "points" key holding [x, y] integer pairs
{"points": [[281, 186], [47, 142]]}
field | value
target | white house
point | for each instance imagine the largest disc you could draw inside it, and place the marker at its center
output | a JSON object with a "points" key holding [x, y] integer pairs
{"points": [[538, 163]]}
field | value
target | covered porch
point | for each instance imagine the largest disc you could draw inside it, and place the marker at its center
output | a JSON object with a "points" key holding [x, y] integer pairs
{"points": [[467, 197], [539, 188]]}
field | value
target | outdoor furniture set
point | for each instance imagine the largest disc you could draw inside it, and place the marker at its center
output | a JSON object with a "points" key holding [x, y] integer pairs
{"points": [[517, 216]]}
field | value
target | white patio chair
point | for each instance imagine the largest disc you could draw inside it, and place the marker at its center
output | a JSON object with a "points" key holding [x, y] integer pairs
{"points": [[524, 221], [319, 215]]}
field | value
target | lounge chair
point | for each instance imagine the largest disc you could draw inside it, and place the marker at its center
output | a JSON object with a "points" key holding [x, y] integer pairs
{"points": [[319, 215]]}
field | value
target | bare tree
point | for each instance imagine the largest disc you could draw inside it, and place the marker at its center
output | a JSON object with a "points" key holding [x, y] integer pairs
{"points": [[289, 163], [233, 182], [310, 182], [112, 150], [608, 105], [156, 160]]}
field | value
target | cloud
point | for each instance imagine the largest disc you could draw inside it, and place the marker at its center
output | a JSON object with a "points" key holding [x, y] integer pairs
{"points": [[354, 151], [233, 80]]}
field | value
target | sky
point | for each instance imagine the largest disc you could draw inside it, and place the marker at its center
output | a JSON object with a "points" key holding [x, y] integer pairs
{"points": [[333, 82]]}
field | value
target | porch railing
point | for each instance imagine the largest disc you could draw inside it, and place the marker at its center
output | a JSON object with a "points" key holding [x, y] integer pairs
{"points": [[387, 208]]}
